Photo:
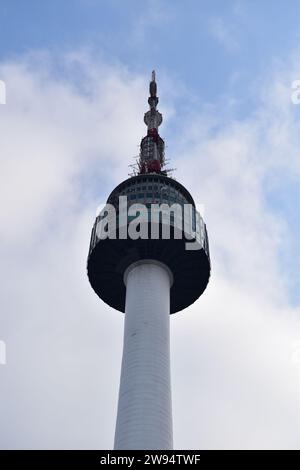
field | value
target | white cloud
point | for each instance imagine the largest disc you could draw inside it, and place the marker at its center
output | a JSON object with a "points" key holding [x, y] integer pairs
{"points": [[154, 15], [61, 153], [63, 147], [240, 339], [220, 31]]}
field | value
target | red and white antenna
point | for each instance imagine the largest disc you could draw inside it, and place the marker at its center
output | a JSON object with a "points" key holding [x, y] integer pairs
{"points": [[152, 149]]}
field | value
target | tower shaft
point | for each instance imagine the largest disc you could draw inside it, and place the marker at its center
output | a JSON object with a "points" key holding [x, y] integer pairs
{"points": [[144, 419]]}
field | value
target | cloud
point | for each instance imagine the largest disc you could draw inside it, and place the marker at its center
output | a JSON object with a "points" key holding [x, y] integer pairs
{"points": [[223, 34], [66, 140], [244, 358], [59, 145], [154, 15]]}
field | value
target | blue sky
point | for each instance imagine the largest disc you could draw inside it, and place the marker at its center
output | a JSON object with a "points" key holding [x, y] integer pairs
{"points": [[77, 74], [174, 36]]}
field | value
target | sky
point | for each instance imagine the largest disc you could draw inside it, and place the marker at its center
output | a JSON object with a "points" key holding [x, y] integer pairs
{"points": [[76, 76]]}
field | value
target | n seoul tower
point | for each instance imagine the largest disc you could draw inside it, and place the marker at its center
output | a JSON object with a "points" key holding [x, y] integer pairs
{"points": [[148, 266]]}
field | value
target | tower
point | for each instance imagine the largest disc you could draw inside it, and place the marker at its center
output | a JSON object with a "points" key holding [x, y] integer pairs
{"points": [[149, 258]]}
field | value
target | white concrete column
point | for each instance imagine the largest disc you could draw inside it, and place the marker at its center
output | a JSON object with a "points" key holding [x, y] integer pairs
{"points": [[144, 419]]}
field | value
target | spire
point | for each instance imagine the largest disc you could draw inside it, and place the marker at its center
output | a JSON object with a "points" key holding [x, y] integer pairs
{"points": [[152, 146], [153, 99], [153, 118]]}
